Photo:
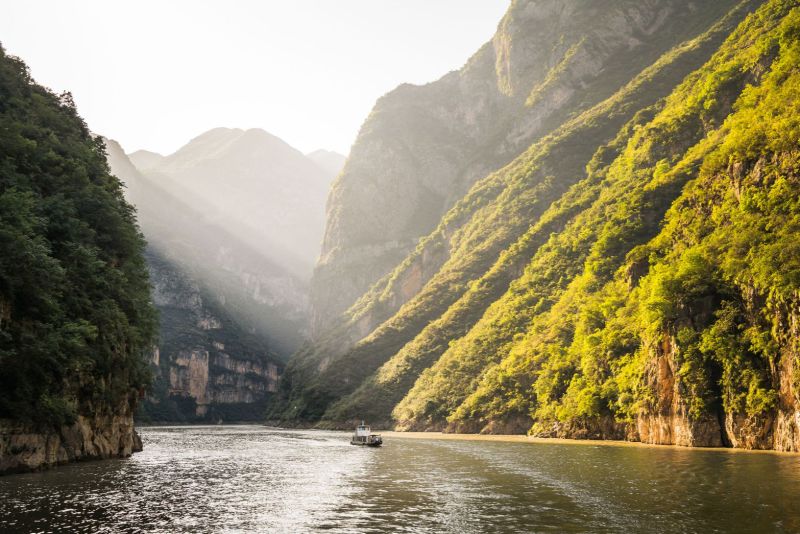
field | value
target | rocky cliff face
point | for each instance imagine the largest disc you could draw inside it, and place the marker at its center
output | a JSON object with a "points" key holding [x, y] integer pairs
{"points": [[433, 295], [95, 437], [689, 340], [422, 148], [228, 310], [208, 367], [631, 275]]}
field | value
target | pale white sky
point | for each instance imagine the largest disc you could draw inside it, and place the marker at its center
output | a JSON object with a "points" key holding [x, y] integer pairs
{"points": [[154, 74]]}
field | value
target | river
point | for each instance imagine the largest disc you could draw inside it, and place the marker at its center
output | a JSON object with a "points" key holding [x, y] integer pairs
{"points": [[256, 479]]}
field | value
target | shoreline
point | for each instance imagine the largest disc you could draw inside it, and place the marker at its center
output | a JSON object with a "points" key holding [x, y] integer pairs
{"points": [[500, 438], [520, 438]]}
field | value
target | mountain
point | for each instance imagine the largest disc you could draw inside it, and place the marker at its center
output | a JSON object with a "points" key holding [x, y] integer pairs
{"points": [[76, 318], [227, 313], [329, 161], [144, 159], [252, 183], [423, 147], [629, 273], [233, 220]]}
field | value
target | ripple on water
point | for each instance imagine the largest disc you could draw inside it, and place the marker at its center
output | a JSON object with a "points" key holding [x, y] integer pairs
{"points": [[255, 479]]}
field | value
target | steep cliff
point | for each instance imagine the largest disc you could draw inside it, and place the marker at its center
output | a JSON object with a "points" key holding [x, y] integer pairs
{"points": [[208, 366], [75, 313], [227, 311], [450, 273], [633, 275], [686, 338], [423, 147]]}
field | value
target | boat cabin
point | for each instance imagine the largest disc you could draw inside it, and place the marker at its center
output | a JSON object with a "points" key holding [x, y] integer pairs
{"points": [[364, 436]]}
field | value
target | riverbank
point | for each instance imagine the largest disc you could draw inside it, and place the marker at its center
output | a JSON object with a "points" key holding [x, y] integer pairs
{"points": [[516, 438], [519, 438], [24, 448]]}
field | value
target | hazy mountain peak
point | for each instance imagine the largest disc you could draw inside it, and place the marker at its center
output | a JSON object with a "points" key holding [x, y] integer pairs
{"points": [[145, 159], [262, 135], [223, 135], [217, 134], [121, 164], [258, 187], [328, 160], [208, 145], [230, 144]]}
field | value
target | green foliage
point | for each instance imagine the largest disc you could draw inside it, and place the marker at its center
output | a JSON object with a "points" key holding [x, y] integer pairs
{"points": [[655, 157], [481, 245], [75, 311], [661, 279], [712, 291]]}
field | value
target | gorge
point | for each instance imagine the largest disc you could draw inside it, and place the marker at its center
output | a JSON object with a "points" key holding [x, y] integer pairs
{"points": [[589, 231], [231, 220]]}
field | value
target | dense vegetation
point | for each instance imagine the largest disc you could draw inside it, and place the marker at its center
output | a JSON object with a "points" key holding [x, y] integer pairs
{"points": [[588, 356], [654, 294], [423, 147], [75, 309], [480, 246]]}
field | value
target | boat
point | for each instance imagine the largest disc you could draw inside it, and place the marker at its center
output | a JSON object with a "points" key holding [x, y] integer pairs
{"points": [[364, 437]]}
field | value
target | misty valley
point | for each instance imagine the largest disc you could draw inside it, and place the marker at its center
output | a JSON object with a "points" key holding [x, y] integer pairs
{"points": [[560, 283]]}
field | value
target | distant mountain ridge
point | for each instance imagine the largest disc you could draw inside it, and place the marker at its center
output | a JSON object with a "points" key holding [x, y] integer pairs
{"points": [[271, 194], [144, 159], [233, 302], [330, 161]]}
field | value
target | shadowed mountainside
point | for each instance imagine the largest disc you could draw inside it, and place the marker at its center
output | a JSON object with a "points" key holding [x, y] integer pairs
{"points": [[231, 311]]}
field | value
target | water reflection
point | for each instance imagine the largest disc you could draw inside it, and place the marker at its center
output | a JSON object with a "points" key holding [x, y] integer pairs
{"points": [[249, 478]]}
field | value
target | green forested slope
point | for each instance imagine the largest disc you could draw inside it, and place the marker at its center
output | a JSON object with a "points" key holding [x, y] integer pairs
{"points": [[75, 310], [422, 147], [691, 338], [558, 244], [491, 225], [633, 275]]}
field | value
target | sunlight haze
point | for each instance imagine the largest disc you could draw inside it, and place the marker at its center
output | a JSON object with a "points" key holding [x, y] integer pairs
{"points": [[155, 74]]}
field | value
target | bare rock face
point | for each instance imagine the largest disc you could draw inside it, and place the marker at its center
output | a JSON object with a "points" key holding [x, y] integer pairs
{"points": [[208, 367], [103, 435], [785, 425], [393, 282], [220, 379], [594, 428], [668, 420]]}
